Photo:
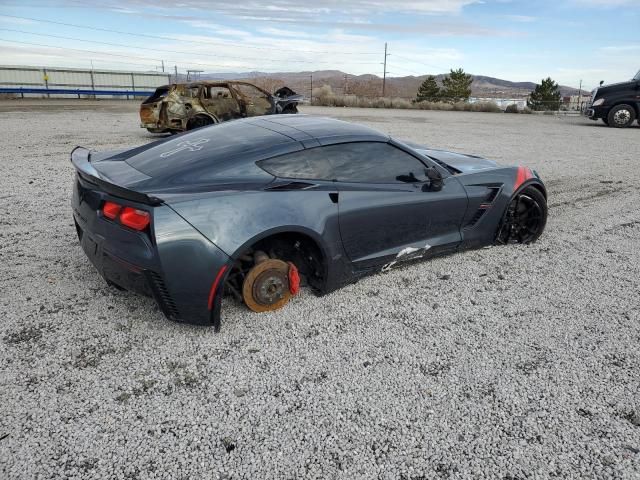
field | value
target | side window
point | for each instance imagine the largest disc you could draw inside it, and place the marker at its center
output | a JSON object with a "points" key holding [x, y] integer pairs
{"points": [[217, 93], [312, 164], [250, 91], [374, 162], [361, 162], [190, 91]]}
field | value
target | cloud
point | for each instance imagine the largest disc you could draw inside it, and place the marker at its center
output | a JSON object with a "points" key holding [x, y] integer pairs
{"points": [[17, 21], [218, 29], [620, 48], [281, 32], [306, 7], [521, 18], [607, 3]]}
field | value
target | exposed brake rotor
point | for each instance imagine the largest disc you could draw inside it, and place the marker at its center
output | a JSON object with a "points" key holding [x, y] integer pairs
{"points": [[266, 286]]}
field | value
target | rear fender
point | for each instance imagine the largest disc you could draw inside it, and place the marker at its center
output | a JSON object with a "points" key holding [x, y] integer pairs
{"points": [[190, 264]]}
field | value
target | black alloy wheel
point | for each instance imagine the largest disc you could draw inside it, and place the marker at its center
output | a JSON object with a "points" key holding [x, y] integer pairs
{"points": [[525, 218]]}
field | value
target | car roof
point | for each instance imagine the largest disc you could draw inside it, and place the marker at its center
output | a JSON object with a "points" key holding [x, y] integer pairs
{"points": [[324, 130], [235, 146], [211, 83]]}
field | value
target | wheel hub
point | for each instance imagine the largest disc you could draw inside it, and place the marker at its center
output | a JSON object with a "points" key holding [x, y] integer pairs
{"points": [[266, 286], [522, 221], [622, 117], [269, 287]]}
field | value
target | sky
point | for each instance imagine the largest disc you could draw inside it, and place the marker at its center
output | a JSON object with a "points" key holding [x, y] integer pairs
{"points": [[517, 40]]}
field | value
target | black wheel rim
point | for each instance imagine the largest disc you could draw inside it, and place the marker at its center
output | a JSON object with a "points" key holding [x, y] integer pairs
{"points": [[524, 220]]}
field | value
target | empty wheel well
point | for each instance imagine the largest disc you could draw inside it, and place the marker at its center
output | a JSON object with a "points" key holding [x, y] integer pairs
{"points": [[201, 116], [294, 247]]}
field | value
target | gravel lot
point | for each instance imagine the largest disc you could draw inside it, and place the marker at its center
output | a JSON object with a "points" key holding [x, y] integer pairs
{"points": [[506, 362]]}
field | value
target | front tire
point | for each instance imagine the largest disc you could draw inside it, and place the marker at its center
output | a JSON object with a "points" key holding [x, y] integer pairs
{"points": [[621, 116], [525, 217]]}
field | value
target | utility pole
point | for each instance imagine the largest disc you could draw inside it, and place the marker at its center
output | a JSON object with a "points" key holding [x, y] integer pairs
{"points": [[580, 96], [176, 69], [311, 78], [162, 65], [384, 73], [346, 80]]}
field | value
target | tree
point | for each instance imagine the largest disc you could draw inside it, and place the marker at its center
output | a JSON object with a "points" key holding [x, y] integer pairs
{"points": [[429, 90], [456, 87], [546, 96]]}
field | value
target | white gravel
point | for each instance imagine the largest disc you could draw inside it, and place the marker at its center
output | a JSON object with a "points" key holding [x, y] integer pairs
{"points": [[510, 362]]}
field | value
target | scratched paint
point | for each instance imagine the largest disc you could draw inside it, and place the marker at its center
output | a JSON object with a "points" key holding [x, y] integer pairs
{"points": [[406, 254]]}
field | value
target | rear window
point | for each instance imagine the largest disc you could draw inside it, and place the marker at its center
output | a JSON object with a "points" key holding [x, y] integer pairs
{"points": [[157, 95]]}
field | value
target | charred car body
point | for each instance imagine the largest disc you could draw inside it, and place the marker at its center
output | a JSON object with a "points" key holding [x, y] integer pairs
{"points": [[186, 106], [618, 104], [254, 207]]}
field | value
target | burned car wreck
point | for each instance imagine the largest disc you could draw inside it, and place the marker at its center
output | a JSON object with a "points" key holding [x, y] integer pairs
{"points": [[186, 106], [257, 208]]}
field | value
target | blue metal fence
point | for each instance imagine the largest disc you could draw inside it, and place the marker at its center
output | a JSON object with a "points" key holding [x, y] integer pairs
{"points": [[74, 91]]}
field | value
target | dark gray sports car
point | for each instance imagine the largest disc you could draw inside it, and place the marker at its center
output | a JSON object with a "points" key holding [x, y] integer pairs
{"points": [[256, 207]]}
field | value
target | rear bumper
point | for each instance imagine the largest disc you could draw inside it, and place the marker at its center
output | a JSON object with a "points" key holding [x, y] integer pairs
{"points": [[173, 262], [125, 275]]}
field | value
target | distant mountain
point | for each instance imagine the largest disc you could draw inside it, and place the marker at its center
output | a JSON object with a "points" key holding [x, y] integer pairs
{"points": [[371, 85]]}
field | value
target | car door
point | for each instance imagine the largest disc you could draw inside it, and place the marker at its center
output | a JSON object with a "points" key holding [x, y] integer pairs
{"points": [[388, 208], [220, 102], [256, 101]]}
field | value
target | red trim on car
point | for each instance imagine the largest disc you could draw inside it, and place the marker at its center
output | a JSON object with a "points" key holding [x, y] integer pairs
{"points": [[214, 285], [523, 175]]}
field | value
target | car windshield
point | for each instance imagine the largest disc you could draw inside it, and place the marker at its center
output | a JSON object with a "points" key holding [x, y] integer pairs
{"points": [[637, 77]]}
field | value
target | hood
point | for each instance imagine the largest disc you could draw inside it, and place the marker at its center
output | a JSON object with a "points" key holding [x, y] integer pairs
{"points": [[459, 161], [615, 86]]}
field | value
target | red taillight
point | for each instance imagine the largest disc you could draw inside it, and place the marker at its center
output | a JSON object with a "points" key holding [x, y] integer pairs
{"points": [[134, 218], [111, 210]]}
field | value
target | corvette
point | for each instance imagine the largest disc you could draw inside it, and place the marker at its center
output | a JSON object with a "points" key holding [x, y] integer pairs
{"points": [[256, 208]]}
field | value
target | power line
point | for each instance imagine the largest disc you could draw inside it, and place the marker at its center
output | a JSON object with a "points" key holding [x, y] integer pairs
{"points": [[395, 67], [98, 52], [176, 51], [439, 67], [159, 37]]}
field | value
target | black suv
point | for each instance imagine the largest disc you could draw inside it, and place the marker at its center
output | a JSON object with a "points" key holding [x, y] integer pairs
{"points": [[618, 104]]}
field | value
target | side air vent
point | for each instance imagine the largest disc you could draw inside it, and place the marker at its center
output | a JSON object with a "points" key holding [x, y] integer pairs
{"points": [[476, 218], [291, 186], [491, 196], [163, 297]]}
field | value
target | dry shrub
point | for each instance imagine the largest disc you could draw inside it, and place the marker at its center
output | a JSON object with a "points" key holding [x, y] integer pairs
{"points": [[485, 107], [433, 106], [324, 96]]}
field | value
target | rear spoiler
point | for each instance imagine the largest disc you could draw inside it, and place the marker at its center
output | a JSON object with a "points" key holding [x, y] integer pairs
{"points": [[81, 159]]}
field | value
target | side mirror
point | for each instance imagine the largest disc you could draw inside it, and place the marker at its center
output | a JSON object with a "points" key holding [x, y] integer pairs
{"points": [[435, 180], [601, 82]]}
